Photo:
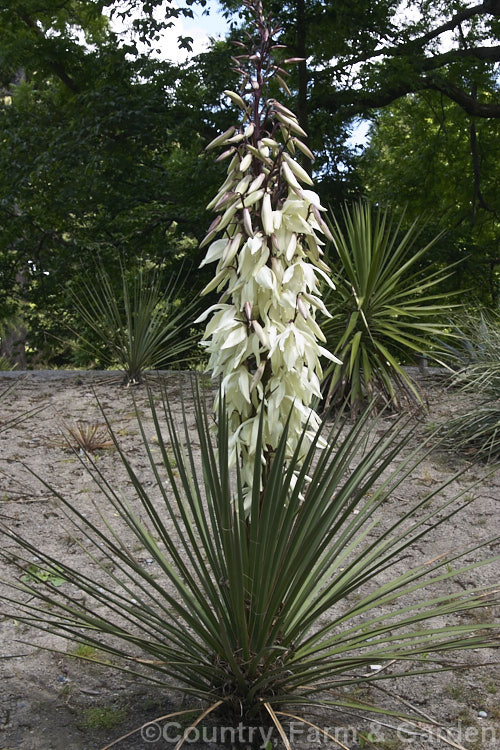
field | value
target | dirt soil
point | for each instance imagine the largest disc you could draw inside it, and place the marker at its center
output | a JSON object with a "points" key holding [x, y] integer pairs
{"points": [[55, 700]]}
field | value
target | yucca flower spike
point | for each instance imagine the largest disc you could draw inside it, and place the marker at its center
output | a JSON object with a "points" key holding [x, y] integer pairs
{"points": [[262, 337]]}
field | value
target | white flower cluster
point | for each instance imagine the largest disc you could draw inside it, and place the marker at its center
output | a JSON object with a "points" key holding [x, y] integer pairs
{"points": [[263, 338]]}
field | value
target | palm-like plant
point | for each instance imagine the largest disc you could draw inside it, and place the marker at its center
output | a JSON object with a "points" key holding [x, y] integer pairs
{"points": [[476, 431], [144, 328], [383, 308]]}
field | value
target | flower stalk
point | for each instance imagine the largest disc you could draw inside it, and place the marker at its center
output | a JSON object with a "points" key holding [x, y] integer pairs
{"points": [[262, 335]]}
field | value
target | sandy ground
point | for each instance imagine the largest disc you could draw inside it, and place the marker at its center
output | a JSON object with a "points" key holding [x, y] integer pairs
{"points": [[57, 701]]}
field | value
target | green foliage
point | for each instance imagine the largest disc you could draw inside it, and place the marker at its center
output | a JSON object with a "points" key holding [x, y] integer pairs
{"points": [[144, 328], [474, 359], [36, 574], [385, 306], [102, 172], [50, 38], [105, 717], [272, 610], [59, 218], [427, 155]]}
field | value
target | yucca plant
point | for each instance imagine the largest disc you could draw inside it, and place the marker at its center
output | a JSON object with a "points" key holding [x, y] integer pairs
{"points": [[475, 432], [384, 308], [144, 328], [474, 356], [263, 337], [475, 364], [286, 608], [88, 436]]}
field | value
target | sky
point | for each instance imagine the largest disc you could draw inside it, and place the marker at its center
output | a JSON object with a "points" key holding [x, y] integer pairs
{"points": [[200, 28]]}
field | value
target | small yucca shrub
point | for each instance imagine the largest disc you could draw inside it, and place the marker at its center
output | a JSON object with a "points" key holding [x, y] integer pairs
{"points": [[143, 328], [474, 360], [383, 310], [475, 432], [89, 437]]}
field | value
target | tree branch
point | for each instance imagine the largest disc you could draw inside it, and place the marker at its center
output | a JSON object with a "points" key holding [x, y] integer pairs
{"points": [[488, 7], [56, 67], [359, 102], [490, 54], [467, 102], [418, 71]]}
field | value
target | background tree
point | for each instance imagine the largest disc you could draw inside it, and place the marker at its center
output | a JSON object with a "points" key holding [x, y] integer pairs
{"points": [[100, 152], [102, 146], [428, 155], [429, 66], [361, 56]]}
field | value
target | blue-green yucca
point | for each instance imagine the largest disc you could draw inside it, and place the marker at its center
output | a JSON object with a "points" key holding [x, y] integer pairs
{"points": [[256, 611]]}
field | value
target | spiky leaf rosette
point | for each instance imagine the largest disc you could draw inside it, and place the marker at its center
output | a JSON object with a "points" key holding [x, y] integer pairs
{"points": [[262, 336]]}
